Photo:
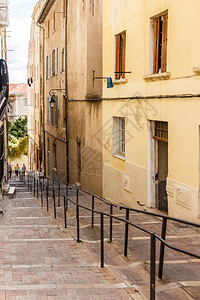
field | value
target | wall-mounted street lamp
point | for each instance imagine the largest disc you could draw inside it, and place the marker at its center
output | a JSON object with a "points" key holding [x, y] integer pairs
{"points": [[52, 100]]}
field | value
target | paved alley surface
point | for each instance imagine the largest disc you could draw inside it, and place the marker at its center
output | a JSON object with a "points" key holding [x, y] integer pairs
{"points": [[40, 259]]}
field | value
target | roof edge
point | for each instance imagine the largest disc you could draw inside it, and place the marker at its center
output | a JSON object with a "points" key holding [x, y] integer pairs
{"points": [[45, 10]]}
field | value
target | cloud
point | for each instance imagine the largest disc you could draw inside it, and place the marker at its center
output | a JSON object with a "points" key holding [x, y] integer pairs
{"points": [[20, 12]]}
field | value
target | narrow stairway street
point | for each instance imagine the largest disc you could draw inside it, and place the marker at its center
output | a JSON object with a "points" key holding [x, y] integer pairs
{"points": [[40, 259]]}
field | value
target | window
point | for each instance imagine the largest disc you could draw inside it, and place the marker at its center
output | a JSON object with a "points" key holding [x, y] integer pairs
{"points": [[53, 62], [64, 8], [54, 20], [48, 29], [119, 136], [120, 55], [62, 60], [160, 44], [161, 131], [25, 102]]}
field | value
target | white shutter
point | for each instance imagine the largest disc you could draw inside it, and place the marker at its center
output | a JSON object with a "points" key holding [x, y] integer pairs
{"points": [[51, 63], [61, 61], [56, 61], [45, 68]]}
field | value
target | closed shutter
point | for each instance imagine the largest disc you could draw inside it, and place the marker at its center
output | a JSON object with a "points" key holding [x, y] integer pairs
{"points": [[56, 112], [47, 109], [61, 62], [45, 68], [156, 45], [164, 44], [56, 61], [51, 64], [123, 54], [117, 41]]}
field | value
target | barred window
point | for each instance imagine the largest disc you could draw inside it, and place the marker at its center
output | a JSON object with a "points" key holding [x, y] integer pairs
{"points": [[119, 136]]}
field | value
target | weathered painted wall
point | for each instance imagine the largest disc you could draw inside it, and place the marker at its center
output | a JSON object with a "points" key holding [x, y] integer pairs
{"points": [[181, 114]]}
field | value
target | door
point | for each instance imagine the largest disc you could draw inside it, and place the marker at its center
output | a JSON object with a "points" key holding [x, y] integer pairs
{"points": [[161, 161]]}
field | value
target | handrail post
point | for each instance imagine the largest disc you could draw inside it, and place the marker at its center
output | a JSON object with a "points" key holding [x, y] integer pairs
{"points": [[111, 222], [47, 195], [41, 190], [78, 225], [54, 203], [53, 192], [162, 248], [59, 194], [92, 211], [152, 267], [102, 239], [28, 181], [34, 186], [126, 234], [65, 212], [37, 190], [77, 196]]}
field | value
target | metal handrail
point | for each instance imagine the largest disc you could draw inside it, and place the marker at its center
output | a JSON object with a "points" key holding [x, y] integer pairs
{"points": [[87, 192], [160, 216], [153, 236]]}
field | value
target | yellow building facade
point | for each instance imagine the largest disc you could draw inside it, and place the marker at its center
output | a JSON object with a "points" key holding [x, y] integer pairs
{"points": [[151, 123]]}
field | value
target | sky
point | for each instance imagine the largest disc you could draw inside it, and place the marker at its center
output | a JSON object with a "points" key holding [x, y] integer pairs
{"points": [[20, 12]]}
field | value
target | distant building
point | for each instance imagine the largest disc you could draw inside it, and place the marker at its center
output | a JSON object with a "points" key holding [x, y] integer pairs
{"points": [[33, 93], [17, 101], [4, 22]]}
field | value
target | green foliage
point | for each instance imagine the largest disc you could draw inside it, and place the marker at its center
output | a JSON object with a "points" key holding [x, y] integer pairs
{"points": [[19, 128], [17, 139]]}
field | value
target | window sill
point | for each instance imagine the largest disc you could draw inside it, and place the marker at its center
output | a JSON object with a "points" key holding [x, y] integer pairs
{"points": [[157, 77], [196, 70], [119, 156], [120, 81]]}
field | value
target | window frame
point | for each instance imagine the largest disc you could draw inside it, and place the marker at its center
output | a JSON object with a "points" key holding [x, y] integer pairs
{"points": [[120, 55], [160, 26], [119, 136]]}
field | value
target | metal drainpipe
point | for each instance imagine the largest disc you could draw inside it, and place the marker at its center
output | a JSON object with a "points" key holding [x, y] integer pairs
{"points": [[43, 125], [66, 94]]}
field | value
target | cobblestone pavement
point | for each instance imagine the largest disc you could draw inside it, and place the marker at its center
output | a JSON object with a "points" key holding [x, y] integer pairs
{"points": [[41, 260]]}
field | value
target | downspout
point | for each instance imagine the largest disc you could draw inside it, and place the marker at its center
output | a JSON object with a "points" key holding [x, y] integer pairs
{"points": [[66, 93], [43, 121]]}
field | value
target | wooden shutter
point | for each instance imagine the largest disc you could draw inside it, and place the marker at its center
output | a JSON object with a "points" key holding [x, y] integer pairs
{"points": [[123, 54], [56, 112], [117, 75], [56, 61], [164, 44], [156, 45], [47, 109]]}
